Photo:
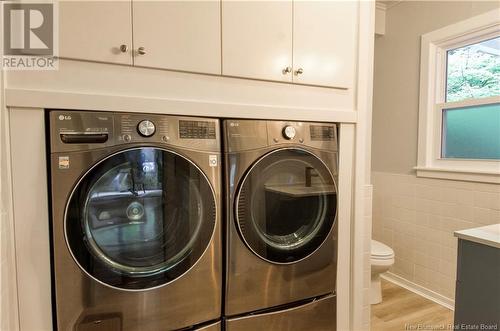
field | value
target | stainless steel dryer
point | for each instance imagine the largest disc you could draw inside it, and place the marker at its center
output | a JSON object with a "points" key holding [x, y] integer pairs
{"points": [[281, 229], [135, 221]]}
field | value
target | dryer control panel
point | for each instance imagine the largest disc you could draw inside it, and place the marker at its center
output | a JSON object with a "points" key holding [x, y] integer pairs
{"points": [[242, 135]]}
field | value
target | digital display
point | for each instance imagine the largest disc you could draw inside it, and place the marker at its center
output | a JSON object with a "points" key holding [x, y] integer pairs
{"points": [[197, 130], [322, 132]]}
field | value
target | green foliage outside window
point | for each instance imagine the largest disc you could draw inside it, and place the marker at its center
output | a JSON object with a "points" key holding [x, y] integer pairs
{"points": [[474, 71]]}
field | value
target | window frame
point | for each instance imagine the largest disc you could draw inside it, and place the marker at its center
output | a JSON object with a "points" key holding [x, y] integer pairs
{"points": [[433, 75]]}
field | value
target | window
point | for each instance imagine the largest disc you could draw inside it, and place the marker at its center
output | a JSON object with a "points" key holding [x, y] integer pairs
{"points": [[459, 115], [473, 71], [471, 132]]}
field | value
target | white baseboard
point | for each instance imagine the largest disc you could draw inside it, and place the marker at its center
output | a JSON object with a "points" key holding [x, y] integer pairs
{"points": [[420, 290]]}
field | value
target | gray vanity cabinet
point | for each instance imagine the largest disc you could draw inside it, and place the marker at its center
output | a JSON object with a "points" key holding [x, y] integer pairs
{"points": [[477, 299]]}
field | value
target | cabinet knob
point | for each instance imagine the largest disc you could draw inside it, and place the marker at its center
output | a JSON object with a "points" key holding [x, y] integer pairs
{"points": [[141, 51], [299, 71], [123, 48], [287, 70]]}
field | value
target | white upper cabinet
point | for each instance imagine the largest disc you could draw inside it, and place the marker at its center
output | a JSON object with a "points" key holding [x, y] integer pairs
{"points": [[305, 42], [311, 42], [96, 31], [324, 42], [257, 39], [178, 35]]}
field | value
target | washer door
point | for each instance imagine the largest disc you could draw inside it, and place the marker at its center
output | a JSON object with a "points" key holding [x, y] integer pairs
{"points": [[286, 205], [140, 218]]}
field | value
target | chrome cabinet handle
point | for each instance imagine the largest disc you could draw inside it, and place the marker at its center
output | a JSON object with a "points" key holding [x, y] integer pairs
{"points": [[141, 51], [123, 48], [299, 71], [287, 70]]}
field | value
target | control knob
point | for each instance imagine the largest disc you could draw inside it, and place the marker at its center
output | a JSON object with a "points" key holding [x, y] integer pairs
{"points": [[289, 132], [146, 128]]}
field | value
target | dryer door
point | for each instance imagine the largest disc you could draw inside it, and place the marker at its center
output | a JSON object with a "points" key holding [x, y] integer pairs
{"points": [[140, 218], [286, 205]]}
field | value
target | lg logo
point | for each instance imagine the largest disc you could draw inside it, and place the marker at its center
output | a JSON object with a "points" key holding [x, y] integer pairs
{"points": [[64, 117], [28, 29]]}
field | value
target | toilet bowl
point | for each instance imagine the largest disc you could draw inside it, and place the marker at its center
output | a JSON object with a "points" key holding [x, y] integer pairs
{"points": [[382, 258]]}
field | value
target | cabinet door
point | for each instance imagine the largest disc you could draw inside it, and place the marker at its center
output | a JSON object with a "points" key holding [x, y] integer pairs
{"points": [[257, 39], [178, 35], [324, 42], [94, 30]]}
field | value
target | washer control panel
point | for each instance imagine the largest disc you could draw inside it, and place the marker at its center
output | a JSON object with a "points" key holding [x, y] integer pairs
{"points": [[197, 129], [85, 130], [289, 132], [133, 128], [146, 128]]}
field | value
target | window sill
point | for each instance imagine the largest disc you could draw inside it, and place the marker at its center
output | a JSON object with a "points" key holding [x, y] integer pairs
{"points": [[459, 174]]}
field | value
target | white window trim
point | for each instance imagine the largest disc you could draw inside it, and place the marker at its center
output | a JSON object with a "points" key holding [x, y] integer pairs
{"points": [[434, 46]]}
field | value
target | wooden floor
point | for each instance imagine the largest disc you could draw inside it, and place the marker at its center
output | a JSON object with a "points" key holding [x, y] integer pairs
{"points": [[404, 310]]}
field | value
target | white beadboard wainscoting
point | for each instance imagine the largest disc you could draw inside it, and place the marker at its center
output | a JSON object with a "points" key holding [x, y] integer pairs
{"points": [[417, 218]]}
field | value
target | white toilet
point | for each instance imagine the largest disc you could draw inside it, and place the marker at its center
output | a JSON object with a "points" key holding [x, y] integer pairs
{"points": [[382, 258]]}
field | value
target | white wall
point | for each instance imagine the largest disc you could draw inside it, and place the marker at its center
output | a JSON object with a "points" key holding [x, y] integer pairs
{"points": [[396, 77], [417, 216], [8, 286], [364, 191]]}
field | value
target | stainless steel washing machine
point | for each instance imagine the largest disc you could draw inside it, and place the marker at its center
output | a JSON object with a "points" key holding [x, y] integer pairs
{"points": [[135, 221], [281, 198]]}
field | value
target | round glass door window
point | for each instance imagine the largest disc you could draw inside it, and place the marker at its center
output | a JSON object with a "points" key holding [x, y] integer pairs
{"points": [[286, 205], [140, 218]]}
